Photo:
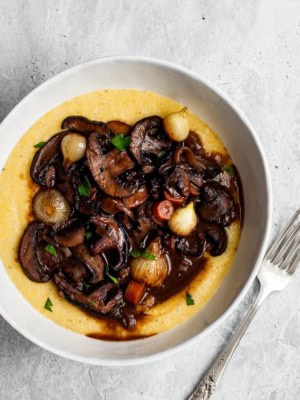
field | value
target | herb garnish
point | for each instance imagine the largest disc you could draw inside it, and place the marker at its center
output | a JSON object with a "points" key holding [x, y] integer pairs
{"points": [[39, 145], [51, 249], [48, 305], [145, 254], [86, 286], [189, 300], [91, 303], [84, 189], [161, 154], [230, 170], [121, 141], [88, 235], [112, 278]]}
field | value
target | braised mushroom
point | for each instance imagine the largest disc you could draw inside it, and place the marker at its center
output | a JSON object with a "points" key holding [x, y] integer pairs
{"points": [[44, 159], [176, 183], [112, 170], [148, 142], [94, 263], [118, 127], [71, 235], [28, 253], [103, 300], [113, 236], [83, 125], [217, 204], [75, 270], [217, 238]]}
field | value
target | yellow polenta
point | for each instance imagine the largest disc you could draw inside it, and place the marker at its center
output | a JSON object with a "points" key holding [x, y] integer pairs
{"points": [[16, 191]]}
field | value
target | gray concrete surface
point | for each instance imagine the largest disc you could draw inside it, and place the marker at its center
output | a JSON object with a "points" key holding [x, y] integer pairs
{"points": [[250, 50]]}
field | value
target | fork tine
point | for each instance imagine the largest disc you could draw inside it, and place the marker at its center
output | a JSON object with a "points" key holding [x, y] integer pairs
{"points": [[290, 254], [286, 244], [293, 266], [281, 237]]}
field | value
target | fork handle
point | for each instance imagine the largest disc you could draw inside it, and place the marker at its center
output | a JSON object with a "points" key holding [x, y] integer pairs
{"points": [[207, 385]]}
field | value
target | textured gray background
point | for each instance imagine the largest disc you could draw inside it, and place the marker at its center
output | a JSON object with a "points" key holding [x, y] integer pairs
{"points": [[250, 50]]}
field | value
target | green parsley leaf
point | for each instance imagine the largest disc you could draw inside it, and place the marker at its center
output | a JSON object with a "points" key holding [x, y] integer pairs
{"points": [[51, 249], [48, 305], [230, 170], [161, 154], [145, 254], [88, 235], [91, 303], [189, 300], [148, 256], [86, 286], [121, 141], [39, 145], [84, 189], [135, 253], [112, 278]]}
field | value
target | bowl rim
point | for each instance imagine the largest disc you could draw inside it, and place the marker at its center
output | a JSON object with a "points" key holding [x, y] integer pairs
{"points": [[269, 208]]}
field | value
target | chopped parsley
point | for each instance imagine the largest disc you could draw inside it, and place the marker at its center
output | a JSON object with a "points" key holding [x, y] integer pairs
{"points": [[88, 235], [39, 145], [51, 249], [112, 278], [161, 154], [86, 286], [189, 300], [230, 170], [121, 141], [84, 189], [48, 305], [145, 254], [90, 305], [135, 253]]}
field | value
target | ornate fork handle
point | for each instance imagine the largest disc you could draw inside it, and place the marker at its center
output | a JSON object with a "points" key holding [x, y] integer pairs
{"points": [[207, 385]]}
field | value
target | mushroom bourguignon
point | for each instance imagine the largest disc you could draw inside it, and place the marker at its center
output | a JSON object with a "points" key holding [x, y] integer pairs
{"points": [[125, 216]]}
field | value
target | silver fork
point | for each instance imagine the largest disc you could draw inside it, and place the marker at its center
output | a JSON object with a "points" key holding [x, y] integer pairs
{"points": [[276, 270]]}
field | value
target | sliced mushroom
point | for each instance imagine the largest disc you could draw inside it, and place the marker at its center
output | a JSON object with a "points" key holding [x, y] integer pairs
{"points": [[211, 167], [71, 236], [90, 202], [94, 263], [198, 165], [217, 237], [51, 262], [114, 206], [103, 300], [83, 125], [75, 270], [50, 177], [44, 158], [118, 127], [217, 204], [64, 181], [115, 237], [112, 170], [28, 253], [177, 182], [137, 198], [193, 245], [148, 141]]}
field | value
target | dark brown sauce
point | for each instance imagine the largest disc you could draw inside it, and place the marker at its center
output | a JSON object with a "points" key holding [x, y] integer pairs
{"points": [[115, 338], [180, 276]]}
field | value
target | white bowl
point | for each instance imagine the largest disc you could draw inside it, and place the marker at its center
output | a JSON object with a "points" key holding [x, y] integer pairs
{"points": [[243, 145]]}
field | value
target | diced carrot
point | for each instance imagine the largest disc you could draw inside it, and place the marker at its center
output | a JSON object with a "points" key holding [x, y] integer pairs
{"points": [[134, 292], [177, 201], [163, 210]]}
